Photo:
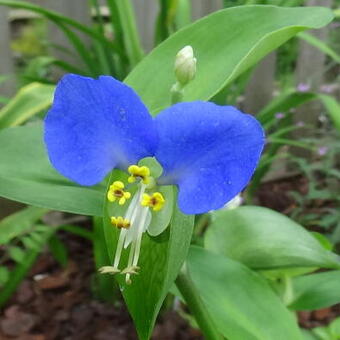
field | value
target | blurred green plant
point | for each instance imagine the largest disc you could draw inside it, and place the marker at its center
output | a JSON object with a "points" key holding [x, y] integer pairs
{"points": [[249, 249]]}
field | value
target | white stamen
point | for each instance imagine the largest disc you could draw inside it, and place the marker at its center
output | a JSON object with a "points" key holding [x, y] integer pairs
{"points": [[140, 232], [133, 207], [140, 218], [133, 230]]}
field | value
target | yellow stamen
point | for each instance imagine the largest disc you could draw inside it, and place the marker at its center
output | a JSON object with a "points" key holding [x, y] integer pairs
{"points": [[120, 222], [142, 172], [155, 201], [116, 192]]}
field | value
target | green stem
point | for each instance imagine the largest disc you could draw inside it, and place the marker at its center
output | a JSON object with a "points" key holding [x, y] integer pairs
{"points": [[191, 296], [288, 292], [176, 93]]}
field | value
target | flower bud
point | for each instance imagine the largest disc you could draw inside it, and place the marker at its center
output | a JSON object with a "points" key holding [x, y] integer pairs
{"points": [[185, 65]]}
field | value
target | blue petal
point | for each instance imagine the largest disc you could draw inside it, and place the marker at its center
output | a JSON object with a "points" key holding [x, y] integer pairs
{"points": [[209, 151], [95, 125]]}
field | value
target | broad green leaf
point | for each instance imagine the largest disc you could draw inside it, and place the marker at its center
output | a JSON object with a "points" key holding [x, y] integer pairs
{"points": [[334, 328], [226, 44], [27, 176], [161, 258], [322, 333], [18, 223], [29, 101], [265, 239], [316, 291], [308, 335], [242, 303]]}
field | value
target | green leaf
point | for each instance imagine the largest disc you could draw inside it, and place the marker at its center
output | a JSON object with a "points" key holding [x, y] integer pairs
{"points": [[80, 231], [293, 99], [161, 258], [334, 328], [4, 275], [332, 107], [321, 45], [264, 239], [226, 44], [308, 335], [21, 269], [26, 175], [242, 303], [18, 223], [16, 254], [29, 101], [104, 286], [58, 19], [130, 33], [316, 291], [58, 250], [283, 103]]}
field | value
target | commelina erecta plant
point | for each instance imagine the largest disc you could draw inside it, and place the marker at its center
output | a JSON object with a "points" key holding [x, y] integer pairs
{"points": [[96, 125]]}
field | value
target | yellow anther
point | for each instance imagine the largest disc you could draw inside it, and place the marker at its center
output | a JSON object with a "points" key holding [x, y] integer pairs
{"points": [[142, 172], [120, 222], [155, 201], [116, 192]]}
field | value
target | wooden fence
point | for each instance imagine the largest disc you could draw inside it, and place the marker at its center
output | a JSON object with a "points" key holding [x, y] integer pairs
{"points": [[310, 63]]}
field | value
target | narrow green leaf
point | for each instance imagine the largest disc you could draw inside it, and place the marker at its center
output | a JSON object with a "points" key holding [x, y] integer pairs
{"points": [[58, 18], [20, 270], [292, 99], [283, 103], [4, 275], [77, 231], [29, 101], [19, 223], [242, 303], [129, 30], [316, 291], [27, 176], [321, 45], [105, 287], [226, 44], [333, 108], [58, 250], [264, 239], [16, 254]]}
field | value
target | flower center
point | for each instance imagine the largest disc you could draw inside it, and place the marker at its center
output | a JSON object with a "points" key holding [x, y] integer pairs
{"points": [[136, 220]]}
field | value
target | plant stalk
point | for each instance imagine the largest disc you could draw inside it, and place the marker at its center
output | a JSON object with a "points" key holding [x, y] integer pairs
{"points": [[195, 304]]}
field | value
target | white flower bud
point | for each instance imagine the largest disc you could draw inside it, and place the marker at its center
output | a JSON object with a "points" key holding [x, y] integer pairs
{"points": [[185, 65]]}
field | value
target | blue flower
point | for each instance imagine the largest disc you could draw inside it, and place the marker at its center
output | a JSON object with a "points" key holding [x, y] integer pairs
{"points": [[95, 125]]}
